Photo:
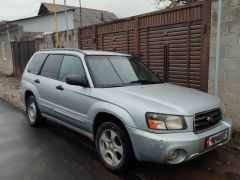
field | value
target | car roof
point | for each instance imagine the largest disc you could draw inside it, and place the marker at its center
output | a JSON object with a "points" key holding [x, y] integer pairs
{"points": [[85, 52]]}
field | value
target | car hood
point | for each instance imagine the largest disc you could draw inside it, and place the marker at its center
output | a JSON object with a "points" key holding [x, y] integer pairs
{"points": [[162, 98]]}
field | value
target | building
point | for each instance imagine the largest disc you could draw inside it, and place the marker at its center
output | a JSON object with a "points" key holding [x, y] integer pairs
{"points": [[83, 17], [7, 32], [44, 23], [23, 29]]}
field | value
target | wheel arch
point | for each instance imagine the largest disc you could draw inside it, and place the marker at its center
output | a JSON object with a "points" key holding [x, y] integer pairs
{"points": [[28, 89], [104, 110], [102, 117], [27, 94]]}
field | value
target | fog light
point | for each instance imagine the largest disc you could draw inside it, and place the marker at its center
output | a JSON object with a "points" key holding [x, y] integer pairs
{"points": [[176, 156], [172, 155]]}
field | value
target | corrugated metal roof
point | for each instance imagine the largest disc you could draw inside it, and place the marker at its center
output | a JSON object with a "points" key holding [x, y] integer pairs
{"points": [[89, 16]]}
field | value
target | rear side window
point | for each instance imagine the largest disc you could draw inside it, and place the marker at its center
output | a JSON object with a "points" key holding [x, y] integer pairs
{"points": [[52, 66], [71, 65], [36, 62]]}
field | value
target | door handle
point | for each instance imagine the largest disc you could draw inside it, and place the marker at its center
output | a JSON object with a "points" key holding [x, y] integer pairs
{"points": [[37, 81], [59, 87]]}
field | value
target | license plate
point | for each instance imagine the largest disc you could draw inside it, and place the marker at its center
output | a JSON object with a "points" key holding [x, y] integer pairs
{"points": [[215, 139]]}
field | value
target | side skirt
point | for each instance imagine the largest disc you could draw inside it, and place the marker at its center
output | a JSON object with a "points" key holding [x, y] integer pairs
{"points": [[80, 131]]}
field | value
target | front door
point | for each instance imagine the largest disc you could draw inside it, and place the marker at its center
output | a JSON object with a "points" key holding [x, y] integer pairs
{"points": [[72, 101]]}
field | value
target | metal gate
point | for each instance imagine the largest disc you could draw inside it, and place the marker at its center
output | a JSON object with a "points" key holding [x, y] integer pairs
{"points": [[21, 53], [174, 43]]}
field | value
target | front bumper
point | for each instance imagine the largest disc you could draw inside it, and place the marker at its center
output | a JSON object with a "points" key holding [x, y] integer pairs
{"points": [[152, 147]]}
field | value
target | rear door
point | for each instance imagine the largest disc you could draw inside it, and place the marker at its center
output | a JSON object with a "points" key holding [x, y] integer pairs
{"points": [[30, 78], [47, 82]]}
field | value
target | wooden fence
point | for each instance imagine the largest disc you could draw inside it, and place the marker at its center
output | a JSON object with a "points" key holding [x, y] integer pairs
{"points": [[174, 42]]}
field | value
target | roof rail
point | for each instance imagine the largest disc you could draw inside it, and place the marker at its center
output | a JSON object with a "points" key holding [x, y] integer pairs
{"points": [[63, 49]]}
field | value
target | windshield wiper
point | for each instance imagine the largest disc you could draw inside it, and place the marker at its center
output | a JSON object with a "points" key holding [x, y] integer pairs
{"points": [[113, 86], [142, 81]]}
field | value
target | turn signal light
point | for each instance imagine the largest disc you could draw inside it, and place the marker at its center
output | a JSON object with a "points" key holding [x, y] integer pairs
{"points": [[152, 124]]}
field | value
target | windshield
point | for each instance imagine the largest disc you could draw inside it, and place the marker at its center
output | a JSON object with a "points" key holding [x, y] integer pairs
{"points": [[117, 71]]}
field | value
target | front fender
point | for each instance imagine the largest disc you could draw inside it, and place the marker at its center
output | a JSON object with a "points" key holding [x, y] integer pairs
{"points": [[106, 107]]}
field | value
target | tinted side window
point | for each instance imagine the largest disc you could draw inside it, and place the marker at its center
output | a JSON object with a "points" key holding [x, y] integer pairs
{"points": [[52, 66], [71, 65], [36, 62]]}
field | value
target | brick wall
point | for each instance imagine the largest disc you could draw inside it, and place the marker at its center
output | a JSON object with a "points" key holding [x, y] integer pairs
{"points": [[229, 85]]}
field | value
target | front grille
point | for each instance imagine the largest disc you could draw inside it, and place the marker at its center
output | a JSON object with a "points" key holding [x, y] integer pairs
{"points": [[207, 120]]}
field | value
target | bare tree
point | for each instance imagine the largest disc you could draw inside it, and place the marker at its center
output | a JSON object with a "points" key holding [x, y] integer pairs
{"points": [[175, 3]]}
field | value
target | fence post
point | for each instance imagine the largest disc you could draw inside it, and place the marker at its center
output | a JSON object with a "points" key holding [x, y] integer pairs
{"points": [[13, 47], [95, 46], [205, 45], [137, 34], [79, 39]]}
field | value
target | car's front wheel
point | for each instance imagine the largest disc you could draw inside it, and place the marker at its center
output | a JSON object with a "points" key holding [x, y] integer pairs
{"points": [[33, 113], [113, 147]]}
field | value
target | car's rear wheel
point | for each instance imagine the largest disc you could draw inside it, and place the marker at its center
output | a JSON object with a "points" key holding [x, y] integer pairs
{"points": [[113, 147], [33, 113]]}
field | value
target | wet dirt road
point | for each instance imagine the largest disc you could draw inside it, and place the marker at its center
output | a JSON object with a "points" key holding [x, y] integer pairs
{"points": [[54, 152]]}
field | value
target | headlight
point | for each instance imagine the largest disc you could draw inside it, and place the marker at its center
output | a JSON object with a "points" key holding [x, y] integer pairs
{"points": [[165, 122]]}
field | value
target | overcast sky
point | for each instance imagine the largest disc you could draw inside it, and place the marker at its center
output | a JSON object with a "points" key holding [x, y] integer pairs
{"points": [[16, 9]]}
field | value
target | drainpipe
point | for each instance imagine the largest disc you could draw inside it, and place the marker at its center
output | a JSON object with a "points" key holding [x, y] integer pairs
{"points": [[66, 19], [10, 47], [9, 40], [218, 47], [80, 5], [8, 35], [56, 22]]}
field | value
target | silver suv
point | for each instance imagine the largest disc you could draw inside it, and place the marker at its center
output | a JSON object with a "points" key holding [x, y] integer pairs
{"points": [[121, 105]]}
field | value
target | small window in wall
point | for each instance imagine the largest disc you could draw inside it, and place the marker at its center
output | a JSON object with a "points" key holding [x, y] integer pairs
{"points": [[4, 51]]}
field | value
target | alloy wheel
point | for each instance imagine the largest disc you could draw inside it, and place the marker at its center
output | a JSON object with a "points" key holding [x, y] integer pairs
{"points": [[32, 112], [111, 147]]}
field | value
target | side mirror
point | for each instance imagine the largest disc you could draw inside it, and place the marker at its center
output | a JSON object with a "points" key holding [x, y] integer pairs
{"points": [[76, 80]]}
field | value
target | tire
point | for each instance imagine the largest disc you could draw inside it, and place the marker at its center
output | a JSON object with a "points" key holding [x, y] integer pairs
{"points": [[33, 113], [113, 147]]}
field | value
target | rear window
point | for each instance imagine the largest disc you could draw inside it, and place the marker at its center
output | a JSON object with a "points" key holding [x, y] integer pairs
{"points": [[36, 62], [52, 66]]}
